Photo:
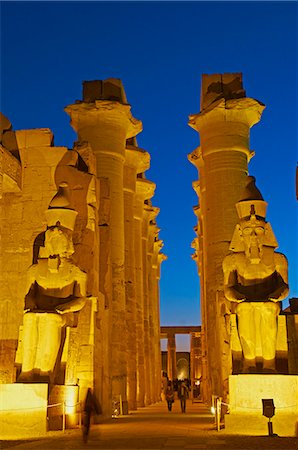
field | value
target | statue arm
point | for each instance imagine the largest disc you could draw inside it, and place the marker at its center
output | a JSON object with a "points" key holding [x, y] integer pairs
{"points": [[30, 303], [230, 280], [281, 265], [79, 295]]}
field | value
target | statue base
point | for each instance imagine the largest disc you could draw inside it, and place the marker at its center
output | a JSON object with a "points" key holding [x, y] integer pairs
{"points": [[64, 409], [23, 410], [246, 409]]}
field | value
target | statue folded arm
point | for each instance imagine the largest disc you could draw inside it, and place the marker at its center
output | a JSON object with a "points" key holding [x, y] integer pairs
{"points": [[79, 295], [230, 280], [281, 267]]}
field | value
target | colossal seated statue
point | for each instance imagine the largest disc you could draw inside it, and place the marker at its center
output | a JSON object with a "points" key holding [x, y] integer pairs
{"points": [[255, 277], [55, 288]]}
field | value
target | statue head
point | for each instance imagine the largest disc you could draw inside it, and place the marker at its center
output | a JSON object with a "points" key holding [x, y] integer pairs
{"points": [[58, 237], [252, 232]]}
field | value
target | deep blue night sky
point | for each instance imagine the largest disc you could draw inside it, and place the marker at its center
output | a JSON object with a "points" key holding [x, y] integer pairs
{"points": [[160, 50]]}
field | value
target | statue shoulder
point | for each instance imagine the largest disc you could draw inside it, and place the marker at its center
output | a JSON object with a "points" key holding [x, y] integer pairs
{"points": [[280, 259], [229, 261]]}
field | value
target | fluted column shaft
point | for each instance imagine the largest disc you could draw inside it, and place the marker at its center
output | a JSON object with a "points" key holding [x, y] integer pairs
{"points": [[195, 357], [136, 161], [144, 190], [172, 363], [156, 262], [106, 126], [222, 162]]}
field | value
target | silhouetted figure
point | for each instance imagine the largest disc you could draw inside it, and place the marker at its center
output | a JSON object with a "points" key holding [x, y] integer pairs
{"points": [[183, 395], [170, 396], [91, 405]]}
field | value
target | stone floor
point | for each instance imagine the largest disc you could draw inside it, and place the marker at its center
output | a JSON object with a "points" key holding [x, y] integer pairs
{"points": [[154, 428]]}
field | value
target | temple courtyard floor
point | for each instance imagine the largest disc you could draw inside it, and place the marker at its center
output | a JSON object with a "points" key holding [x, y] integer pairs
{"points": [[154, 428]]}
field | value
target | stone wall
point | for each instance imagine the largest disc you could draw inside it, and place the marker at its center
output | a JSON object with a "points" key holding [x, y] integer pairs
{"points": [[115, 240]]}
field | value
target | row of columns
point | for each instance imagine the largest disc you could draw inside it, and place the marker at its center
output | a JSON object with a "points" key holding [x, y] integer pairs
{"points": [[195, 355], [135, 256]]}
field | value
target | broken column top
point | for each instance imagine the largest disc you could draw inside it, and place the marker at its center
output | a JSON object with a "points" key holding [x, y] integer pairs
{"points": [[221, 86], [109, 89]]}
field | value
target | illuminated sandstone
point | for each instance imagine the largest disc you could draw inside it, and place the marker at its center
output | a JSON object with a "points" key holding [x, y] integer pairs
{"points": [[55, 287], [101, 335], [255, 277], [222, 158]]}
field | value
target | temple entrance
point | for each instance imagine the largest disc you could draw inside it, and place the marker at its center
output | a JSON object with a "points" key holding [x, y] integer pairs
{"points": [[181, 365]]}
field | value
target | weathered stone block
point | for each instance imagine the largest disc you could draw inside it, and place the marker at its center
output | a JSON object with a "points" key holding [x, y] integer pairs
{"points": [[23, 410]]}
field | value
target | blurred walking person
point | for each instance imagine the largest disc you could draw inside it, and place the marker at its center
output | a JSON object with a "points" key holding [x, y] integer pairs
{"points": [[183, 395], [90, 406]]}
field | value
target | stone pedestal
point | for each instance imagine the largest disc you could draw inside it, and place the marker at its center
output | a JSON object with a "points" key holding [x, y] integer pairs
{"points": [[246, 411], [23, 410], [63, 406]]}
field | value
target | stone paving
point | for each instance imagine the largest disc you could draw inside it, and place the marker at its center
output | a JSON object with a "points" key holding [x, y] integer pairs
{"points": [[154, 428]]}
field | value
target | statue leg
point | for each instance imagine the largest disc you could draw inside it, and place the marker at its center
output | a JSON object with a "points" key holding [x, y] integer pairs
{"points": [[29, 343], [270, 311], [247, 335], [49, 337]]}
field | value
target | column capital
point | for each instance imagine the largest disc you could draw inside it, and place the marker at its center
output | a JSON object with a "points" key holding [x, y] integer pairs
{"points": [[225, 126], [197, 210], [245, 110], [105, 111], [196, 185], [151, 211], [137, 158], [145, 188], [196, 158]]}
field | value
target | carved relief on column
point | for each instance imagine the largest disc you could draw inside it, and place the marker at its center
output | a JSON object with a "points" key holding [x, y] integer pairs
{"points": [[147, 213], [224, 125], [158, 257], [107, 124], [152, 234], [144, 191], [136, 161], [195, 356], [172, 362]]}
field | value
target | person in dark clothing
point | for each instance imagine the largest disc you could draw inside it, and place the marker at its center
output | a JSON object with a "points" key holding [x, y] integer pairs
{"points": [[91, 405], [183, 395], [170, 396]]}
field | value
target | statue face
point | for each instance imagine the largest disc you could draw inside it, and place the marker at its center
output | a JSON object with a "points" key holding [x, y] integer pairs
{"points": [[58, 246], [253, 233], [58, 242]]}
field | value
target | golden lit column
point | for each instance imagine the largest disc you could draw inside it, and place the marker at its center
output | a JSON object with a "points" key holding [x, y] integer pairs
{"points": [[106, 125], [144, 191], [195, 357], [152, 233], [224, 125], [198, 256], [136, 161], [147, 214], [172, 362], [158, 258]]}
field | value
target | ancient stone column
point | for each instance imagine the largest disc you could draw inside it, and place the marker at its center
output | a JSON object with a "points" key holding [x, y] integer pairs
{"points": [[152, 233], [158, 257], [198, 257], [172, 362], [195, 357], [136, 161], [104, 119], [144, 191], [224, 122]]}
